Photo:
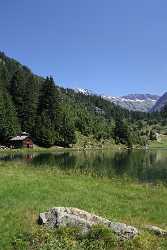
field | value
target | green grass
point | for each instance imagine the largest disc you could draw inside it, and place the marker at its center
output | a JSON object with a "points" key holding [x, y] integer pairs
{"points": [[161, 144], [36, 149], [25, 191]]}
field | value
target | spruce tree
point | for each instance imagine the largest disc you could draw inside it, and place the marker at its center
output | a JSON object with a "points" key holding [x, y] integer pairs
{"points": [[122, 133], [4, 81], [16, 90], [9, 125], [30, 105], [44, 132], [48, 123], [67, 131]]}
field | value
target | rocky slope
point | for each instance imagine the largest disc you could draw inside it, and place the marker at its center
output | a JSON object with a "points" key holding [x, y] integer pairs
{"points": [[135, 102], [161, 102]]}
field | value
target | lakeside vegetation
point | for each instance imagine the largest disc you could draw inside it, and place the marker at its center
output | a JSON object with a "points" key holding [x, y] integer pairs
{"points": [[162, 143], [26, 191], [83, 143], [55, 116]]}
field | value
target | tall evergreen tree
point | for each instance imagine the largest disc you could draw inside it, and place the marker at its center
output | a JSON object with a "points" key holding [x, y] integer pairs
{"points": [[4, 81], [30, 105], [67, 131], [122, 132], [44, 132], [9, 125], [49, 114], [16, 90]]}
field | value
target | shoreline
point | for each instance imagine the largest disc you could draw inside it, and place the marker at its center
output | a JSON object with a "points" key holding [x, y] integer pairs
{"points": [[79, 149], [61, 149]]}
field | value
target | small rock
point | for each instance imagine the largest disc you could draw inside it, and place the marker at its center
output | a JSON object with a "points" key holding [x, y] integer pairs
{"points": [[74, 217], [42, 218], [156, 230]]}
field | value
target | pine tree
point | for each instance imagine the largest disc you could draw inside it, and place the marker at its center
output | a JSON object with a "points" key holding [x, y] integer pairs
{"points": [[9, 125], [44, 132], [48, 122], [164, 112], [122, 133], [49, 100], [67, 131], [30, 105], [4, 81], [16, 90]]}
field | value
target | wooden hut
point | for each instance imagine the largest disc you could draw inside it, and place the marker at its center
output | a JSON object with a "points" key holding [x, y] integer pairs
{"points": [[22, 140]]}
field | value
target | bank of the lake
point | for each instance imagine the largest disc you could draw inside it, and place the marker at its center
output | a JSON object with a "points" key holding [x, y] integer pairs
{"points": [[83, 143], [161, 143], [25, 191], [37, 149]]}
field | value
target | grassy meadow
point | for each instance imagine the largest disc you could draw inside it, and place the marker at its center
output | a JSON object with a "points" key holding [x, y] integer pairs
{"points": [[25, 191]]}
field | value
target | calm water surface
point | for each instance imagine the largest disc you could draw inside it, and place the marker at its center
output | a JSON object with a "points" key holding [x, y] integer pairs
{"points": [[146, 166]]}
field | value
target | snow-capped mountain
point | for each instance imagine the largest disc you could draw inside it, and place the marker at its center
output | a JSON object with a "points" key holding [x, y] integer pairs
{"points": [[84, 91], [135, 102]]}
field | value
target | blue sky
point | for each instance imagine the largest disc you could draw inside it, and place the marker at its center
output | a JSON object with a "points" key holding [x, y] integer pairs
{"points": [[113, 47]]}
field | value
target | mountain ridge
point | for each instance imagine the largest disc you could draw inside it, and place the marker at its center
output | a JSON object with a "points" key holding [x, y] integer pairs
{"points": [[132, 102]]}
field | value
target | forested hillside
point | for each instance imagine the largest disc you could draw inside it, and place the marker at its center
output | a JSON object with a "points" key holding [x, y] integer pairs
{"points": [[54, 115]]}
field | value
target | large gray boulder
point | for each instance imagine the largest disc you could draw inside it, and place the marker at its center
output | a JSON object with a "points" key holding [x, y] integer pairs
{"points": [[74, 217]]}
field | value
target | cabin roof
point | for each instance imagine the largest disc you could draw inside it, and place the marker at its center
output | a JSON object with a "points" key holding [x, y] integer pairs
{"points": [[19, 138]]}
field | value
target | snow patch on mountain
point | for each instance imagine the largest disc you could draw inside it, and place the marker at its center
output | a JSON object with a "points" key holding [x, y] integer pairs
{"points": [[135, 102], [84, 91]]}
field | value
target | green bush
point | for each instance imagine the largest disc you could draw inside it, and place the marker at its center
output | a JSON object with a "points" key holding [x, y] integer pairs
{"points": [[98, 238]]}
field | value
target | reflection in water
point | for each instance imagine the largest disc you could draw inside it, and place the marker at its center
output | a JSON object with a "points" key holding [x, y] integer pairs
{"points": [[150, 166]]}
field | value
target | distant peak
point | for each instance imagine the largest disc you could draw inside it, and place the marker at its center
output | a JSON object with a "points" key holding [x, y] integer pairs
{"points": [[84, 91], [161, 102], [135, 102], [141, 97]]}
